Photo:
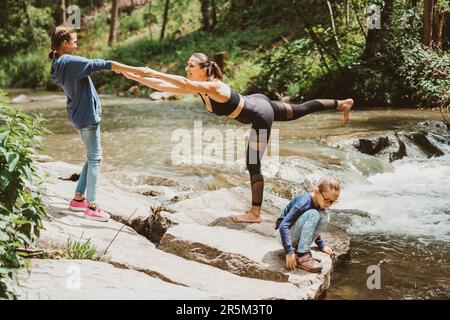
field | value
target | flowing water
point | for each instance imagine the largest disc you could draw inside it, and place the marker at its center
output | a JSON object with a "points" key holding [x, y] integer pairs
{"points": [[407, 237]]}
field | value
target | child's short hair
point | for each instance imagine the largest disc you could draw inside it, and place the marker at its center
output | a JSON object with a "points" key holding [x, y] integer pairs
{"points": [[329, 184]]}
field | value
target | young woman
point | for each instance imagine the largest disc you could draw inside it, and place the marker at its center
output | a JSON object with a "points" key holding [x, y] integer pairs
{"points": [[204, 78], [71, 73], [302, 221]]}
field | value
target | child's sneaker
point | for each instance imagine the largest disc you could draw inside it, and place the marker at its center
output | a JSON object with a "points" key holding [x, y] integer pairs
{"points": [[78, 205], [308, 263], [96, 214]]}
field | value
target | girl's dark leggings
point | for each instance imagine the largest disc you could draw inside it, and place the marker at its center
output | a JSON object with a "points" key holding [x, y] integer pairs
{"points": [[260, 111]]}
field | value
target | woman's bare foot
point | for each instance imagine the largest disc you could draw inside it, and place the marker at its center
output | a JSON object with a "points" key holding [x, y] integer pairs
{"points": [[345, 106], [252, 216]]}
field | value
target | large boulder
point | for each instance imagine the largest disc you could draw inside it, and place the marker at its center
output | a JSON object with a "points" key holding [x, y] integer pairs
{"points": [[392, 146], [214, 209], [243, 253], [384, 145], [421, 140]]}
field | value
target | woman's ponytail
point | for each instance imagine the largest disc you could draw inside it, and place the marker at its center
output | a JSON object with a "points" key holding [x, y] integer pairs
{"points": [[212, 68], [215, 70]]}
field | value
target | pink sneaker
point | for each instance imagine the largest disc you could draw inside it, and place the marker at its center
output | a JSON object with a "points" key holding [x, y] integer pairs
{"points": [[78, 205], [96, 214]]}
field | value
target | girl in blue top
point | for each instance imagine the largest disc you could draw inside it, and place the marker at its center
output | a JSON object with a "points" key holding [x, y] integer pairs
{"points": [[72, 74]]}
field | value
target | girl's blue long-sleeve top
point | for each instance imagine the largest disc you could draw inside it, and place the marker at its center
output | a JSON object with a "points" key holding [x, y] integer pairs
{"points": [[295, 208], [72, 73]]}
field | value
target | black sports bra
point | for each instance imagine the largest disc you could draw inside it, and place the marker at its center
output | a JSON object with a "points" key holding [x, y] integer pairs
{"points": [[225, 108]]}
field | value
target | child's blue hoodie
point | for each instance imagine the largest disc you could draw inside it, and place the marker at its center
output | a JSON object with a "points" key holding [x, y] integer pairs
{"points": [[72, 74]]}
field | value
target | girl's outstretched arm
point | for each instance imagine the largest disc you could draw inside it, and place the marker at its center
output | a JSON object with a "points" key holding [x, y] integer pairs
{"points": [[156, 84], [121, 68]]}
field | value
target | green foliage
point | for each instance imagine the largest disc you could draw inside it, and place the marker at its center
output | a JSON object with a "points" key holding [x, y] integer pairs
{"points": [[424, 76], [131, 23], [26, 70], [404, 72], [290, 68], [21, 206], [172, 53], [23, 26]]}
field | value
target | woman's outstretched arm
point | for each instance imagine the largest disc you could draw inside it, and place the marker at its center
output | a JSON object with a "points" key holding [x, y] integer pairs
{"points": [[156, 84], [207, 87]]}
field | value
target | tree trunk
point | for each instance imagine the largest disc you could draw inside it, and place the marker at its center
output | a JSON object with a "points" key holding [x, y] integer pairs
{"points": [[446, 33], [347, 12], [62, 7], [214, 13], [149, 18], [112, 28], [356, 10], [204, 8], [427, 22], [233, 5], [323, 50], [248, 3], [165, 17], [333, 25], [439, 17], [31, 31]]}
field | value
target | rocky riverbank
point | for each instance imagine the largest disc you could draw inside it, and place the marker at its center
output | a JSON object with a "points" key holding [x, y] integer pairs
{"points": [[187, 250]]}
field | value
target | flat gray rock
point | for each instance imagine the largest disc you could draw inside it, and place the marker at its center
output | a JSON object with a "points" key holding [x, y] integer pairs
{"points": [[87, 280], [243, 253]]}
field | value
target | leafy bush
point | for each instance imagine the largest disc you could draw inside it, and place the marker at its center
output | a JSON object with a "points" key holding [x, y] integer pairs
{"points": [[290, 68], [243, 49], [23, 26], [131, 23], [28, 70], [402, 72], [405, 72], [21, 206]]}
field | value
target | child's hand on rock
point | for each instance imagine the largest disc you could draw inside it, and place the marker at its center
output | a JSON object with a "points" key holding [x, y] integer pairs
{"points": [[291, 261]]}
